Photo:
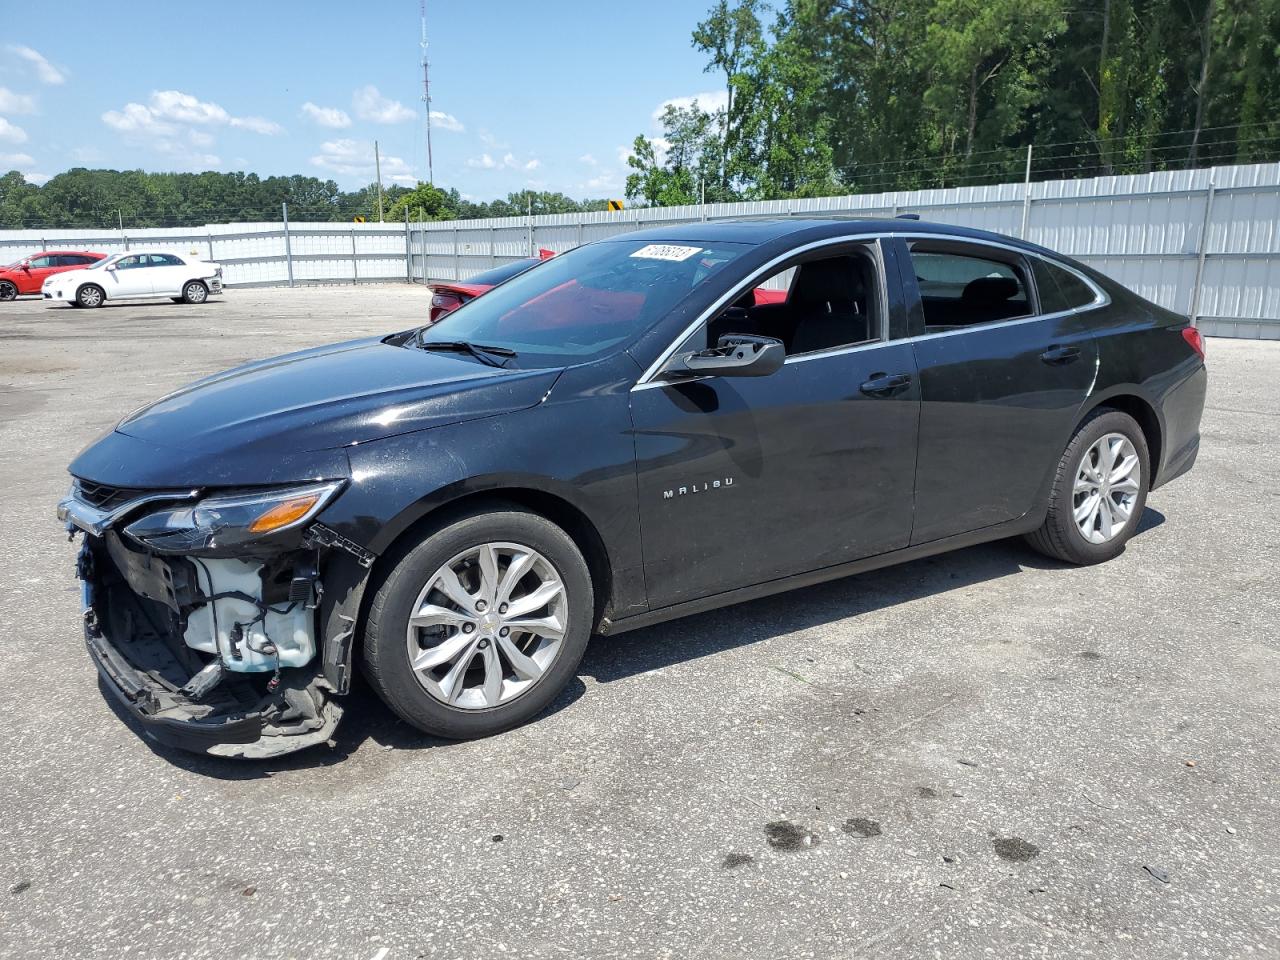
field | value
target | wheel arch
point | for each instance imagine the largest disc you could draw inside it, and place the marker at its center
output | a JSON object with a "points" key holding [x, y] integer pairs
{"points": [[464, 498], [1129, 399]]}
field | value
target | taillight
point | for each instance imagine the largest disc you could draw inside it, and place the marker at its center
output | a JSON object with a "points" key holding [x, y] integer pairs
{"points": [[1194, 340]]}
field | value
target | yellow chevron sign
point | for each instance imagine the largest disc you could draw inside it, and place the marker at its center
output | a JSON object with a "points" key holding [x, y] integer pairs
{"points": [[615, 205]]}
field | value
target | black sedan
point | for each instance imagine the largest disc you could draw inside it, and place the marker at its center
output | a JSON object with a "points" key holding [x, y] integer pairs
{"points": [[623, 436]]}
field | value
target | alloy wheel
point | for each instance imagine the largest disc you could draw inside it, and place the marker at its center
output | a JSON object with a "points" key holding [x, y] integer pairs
{"points": [[487, 626], [196, 292], [1106, 488], [8, 291], [90, 296]]}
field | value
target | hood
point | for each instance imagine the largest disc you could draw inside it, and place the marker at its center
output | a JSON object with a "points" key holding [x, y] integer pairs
{"points": [[317, 400]]}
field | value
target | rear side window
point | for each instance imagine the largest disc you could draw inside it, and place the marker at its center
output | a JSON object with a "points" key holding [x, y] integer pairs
{"points": [[1060, 289], [960, 290], [72, 260]]}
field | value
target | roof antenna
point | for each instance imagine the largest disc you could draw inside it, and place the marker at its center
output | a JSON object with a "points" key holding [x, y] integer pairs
{"points": [[426, 95]]}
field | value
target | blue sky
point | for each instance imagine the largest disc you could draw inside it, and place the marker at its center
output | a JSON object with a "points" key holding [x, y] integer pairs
{"points": [[545, 95]]}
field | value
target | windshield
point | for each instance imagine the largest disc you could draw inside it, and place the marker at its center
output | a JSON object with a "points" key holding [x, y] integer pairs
{"points": [[491, 278], [584, 303]]}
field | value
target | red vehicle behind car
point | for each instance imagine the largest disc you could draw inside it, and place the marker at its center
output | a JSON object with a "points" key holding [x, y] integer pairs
{"points": [[27, 276], [448, 297]]}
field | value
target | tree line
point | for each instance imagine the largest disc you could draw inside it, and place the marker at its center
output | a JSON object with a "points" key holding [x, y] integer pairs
{"points": [[854, 96], [97, 199]]}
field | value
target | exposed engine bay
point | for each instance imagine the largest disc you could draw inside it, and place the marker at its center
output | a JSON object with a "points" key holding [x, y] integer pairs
{"points": [[219, 653]]}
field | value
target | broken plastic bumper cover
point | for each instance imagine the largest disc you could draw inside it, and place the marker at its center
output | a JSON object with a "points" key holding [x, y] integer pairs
{"points": [[165, 714]]}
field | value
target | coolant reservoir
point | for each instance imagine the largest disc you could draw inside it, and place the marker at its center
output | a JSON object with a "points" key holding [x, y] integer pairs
{"points": [[209, 628]]}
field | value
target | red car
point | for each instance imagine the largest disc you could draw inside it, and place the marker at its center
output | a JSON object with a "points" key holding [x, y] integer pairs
{"points": [[448, 297], [27, 276]]}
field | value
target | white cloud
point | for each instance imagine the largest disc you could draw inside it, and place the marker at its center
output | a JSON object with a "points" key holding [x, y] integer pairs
{"points": [[446, 121], [606, 182], [87, 155], [168, 108], [15, 161], [508, 162], [588, 159], [38, 179], [45, 71], [12, 132], [354, 158], [268, 128], [16, 103], [372, 105], [181, 126], [489, 140], [330, 117], [710, 102], [623, 153]]}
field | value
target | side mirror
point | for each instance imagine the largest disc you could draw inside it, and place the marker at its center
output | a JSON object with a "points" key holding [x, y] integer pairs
{"points": [[26, 267], [736, 355], [111, 268]]}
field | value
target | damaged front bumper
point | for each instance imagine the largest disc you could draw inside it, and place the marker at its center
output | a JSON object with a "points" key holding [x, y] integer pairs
{"points": [[145, 624]]}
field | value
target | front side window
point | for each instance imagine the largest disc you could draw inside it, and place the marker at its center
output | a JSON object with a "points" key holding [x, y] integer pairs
{"points": [[129, 263], [585, 303], [963, 290], [40, 262], [821, 303]]}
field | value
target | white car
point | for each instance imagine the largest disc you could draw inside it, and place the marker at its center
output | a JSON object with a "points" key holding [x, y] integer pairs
{"points": [[137, 275]]}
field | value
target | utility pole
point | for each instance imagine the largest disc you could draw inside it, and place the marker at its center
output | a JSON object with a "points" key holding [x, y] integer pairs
{"points": [[426, 95], [377, 163]]}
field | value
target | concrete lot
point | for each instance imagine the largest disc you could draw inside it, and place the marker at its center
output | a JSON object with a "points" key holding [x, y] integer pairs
{"points": [[971, 756]]}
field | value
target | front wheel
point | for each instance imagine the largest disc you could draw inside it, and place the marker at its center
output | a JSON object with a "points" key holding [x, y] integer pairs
{"points": [[90, 296], [1099, 491], [195, 292], [8, 290], [478, 627]]}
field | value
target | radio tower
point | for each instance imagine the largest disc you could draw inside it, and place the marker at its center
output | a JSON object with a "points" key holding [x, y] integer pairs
{"points": [[426, 95]]}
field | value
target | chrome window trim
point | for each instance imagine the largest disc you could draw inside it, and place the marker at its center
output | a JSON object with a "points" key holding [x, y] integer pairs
{"points": [[1101, 298]]}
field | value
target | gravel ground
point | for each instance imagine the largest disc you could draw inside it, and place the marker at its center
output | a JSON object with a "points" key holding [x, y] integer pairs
{"points": [[981, 754]]}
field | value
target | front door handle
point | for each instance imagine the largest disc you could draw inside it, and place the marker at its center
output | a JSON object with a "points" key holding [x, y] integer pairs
{"points": [[1058, 355], [885, 384]]}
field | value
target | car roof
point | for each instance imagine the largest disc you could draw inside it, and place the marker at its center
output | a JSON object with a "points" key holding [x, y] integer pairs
{"points": [[765, 230]]}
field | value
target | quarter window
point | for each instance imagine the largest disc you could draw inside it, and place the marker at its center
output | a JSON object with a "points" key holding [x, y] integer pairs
{"points": [[961, 290], [1060, 289]]}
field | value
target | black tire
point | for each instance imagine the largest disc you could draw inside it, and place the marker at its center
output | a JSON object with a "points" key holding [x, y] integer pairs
{"points": [[8, 290], [1059, 537], [385, 649], [91, 295], [194, 291]]}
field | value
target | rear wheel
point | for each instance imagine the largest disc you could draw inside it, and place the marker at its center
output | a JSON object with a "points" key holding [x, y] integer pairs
{"points": [[1099, 491], [478, 627], [8, 290], [90, 295], [195, 292]]}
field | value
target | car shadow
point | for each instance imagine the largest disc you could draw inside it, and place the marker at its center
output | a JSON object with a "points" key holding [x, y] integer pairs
{"points": [[608, 659]]}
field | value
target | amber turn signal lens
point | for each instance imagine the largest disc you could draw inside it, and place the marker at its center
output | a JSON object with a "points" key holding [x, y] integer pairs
{"points": [[283, 514]]}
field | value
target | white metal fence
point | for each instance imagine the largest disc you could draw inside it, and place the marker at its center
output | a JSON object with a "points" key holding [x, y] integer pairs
{"points": [[1201, 242]]}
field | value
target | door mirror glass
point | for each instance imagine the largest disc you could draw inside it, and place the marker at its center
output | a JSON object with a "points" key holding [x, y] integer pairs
{"points": [[735, 355]]}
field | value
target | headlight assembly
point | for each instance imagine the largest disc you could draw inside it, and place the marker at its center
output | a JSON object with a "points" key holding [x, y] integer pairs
{"points": [[218, 522]]}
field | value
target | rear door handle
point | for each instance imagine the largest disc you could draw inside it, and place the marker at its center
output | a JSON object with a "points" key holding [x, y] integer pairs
{"points": [[885, 384], [1057, 355]]}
